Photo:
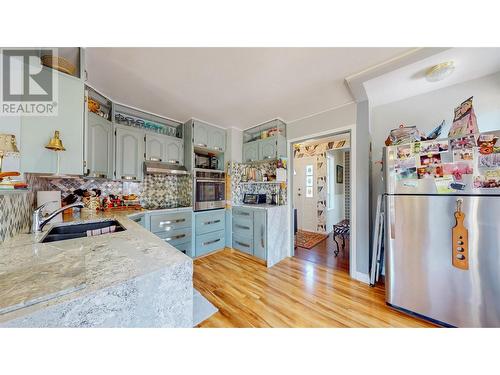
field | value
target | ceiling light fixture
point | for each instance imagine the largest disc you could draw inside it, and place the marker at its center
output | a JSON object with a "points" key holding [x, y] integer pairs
{"points": [[440, 71]]}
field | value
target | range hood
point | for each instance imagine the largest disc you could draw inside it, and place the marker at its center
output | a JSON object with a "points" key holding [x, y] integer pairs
{"points": [[158, 167]]}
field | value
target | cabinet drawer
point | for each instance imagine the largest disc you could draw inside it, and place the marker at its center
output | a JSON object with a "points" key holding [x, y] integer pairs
{"points": [[170, 221], [185, 248], [209, 242], [210, 221], [243, 212], [175, 236], [243, 226], [243, 244]]}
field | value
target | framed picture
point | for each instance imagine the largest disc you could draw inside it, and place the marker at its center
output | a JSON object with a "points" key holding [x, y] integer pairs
{"points": [[340, 174]]}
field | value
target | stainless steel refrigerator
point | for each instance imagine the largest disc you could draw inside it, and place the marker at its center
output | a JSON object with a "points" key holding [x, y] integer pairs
{"points": [[442, 230]]}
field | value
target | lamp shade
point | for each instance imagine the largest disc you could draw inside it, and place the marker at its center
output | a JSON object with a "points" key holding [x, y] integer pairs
{"points": [[8, 144]]}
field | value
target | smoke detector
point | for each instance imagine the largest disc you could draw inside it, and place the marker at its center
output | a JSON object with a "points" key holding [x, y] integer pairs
{"points": [[440, 71]]}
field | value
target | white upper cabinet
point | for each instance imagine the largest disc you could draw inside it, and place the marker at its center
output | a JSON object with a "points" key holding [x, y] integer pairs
{"points": [[129, 153], [155, 147], [200, 134], [99, 148], [208, 136], [217, 139], [174, 151], [36, 131], [164, 148], [250, 152], [267, 149]]}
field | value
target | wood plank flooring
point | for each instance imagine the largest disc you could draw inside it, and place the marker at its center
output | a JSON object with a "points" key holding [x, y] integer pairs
{"points": [[324, 253], [293, 293]]}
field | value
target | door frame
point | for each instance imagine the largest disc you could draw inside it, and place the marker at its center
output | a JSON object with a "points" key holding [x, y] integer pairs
{"points": [[315, 185], [352, 239]]}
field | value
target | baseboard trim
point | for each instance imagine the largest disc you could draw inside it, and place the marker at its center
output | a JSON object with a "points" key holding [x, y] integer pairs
{"points": [[363, 277]]}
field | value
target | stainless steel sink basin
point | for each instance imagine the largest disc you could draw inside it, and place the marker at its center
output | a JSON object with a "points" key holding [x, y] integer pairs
{"points": [[68, 232]]}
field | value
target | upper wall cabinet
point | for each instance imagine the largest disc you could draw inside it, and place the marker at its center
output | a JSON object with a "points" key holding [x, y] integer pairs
{"points": [[217, 139], [129, 153], [36, 131], [250, 152], [265, 142], [164, 148], [208, 136], [99, 147]]}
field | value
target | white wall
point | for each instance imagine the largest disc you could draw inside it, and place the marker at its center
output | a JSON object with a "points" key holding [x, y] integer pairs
{"points": [[234, 147], [426, 111], [328, 121]]}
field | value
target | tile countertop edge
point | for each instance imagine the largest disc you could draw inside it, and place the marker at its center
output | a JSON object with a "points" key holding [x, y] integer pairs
{"points": [[145, 255]]}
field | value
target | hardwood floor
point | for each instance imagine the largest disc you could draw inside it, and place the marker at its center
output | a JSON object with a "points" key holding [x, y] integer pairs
{"points": [[323, 253], [293, 293]]}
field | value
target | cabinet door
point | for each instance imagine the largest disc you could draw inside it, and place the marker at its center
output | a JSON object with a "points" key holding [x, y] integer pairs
{"points": [[174, 151], [217, 139], [200, 134], [36, 131], [250, 152], [99, 147], [260, 234], [267, 149], [155, 147], [129, 153]]}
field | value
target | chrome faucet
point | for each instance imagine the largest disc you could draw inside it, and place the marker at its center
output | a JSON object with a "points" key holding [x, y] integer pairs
{"points": [[39, 222]]}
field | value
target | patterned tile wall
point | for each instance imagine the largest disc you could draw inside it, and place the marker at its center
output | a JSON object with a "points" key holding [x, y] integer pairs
{"points": [[155, 191], [239, 189], [15, 213]]}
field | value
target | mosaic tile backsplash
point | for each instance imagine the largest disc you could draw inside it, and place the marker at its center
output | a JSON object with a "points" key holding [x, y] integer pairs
{"points": [[15, 213], [238, 189], [155, 191]]}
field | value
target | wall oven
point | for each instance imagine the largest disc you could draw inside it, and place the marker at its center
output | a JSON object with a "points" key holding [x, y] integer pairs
{"points": [[209, 190]]}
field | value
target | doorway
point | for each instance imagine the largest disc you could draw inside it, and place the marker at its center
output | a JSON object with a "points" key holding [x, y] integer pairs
{"points": [[322, 201]]}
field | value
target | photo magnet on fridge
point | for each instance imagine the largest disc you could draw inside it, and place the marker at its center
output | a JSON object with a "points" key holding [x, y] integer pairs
{"points": [[468, 141], [489, 161], [463, 154], [443, 185], [428, 147], [430, 159], [404, 151]]}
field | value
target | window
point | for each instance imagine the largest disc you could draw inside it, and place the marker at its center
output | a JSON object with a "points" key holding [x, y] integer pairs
{"points": [[331, 181], [309, 180]]}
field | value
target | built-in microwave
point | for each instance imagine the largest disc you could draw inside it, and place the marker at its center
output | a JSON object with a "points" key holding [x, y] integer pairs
{"points": [[209, 190]]}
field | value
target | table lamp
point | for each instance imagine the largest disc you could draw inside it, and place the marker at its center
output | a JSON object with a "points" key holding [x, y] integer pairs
{"points": [[55, 144], [7, 147]]}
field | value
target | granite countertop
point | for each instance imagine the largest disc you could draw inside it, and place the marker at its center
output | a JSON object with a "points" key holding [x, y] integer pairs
{"points": [[262, 206], [36, 275]]}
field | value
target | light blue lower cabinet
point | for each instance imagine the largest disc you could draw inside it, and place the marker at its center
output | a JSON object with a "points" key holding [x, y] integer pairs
{"points": [[186, 248], [260, 234], [175, 228], [210, 231], [208, 242], [242, 243], [249, 231]]}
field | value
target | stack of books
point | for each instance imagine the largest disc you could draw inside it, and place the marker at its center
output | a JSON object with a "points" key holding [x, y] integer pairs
{"points": [[13, 185]]}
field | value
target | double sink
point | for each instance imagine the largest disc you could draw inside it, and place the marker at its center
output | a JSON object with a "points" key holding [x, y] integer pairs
{"points": [[72, 231]]}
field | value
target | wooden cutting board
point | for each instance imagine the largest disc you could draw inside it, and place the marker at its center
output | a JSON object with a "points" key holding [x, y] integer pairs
{"points": [[460, 243]]}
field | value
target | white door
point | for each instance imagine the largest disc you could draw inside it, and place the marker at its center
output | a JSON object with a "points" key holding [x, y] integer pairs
{"points": [[305, 192]]}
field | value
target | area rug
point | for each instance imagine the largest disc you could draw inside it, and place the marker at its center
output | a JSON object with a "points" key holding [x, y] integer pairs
{"points": [[307, 239], [202, 308]]}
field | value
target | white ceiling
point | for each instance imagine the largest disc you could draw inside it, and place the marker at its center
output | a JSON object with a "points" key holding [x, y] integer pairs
{"points": [[231, 87], [409, 80]]}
